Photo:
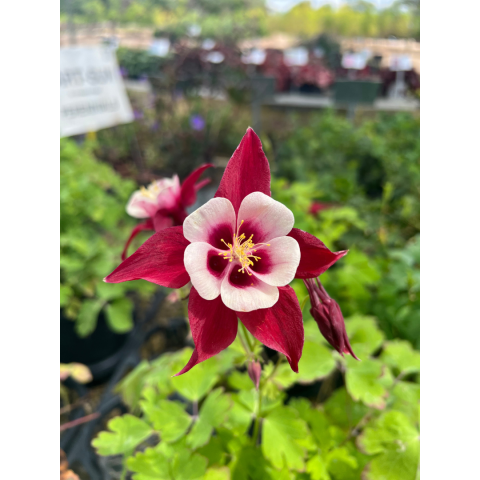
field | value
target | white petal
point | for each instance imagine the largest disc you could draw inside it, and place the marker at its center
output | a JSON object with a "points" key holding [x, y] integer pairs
{"points": [[206, 280], [204, 223], [264, 217], [141, 206], [256, 294], [278, 263]]}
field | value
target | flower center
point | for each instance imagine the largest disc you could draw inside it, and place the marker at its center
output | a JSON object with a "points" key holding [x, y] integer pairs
{"points": [[242, 250], [150, 191]]}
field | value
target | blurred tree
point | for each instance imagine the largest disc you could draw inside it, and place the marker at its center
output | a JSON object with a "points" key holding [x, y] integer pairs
{"points": [[226, 21], [357, 18]]}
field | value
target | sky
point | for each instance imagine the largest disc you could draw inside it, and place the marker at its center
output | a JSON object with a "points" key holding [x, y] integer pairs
{"points": [[285, 5]]}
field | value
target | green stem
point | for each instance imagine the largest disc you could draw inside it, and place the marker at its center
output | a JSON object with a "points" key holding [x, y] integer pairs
{"points": [[124, 468], [247, 337], [256, 426], [244, 345]]}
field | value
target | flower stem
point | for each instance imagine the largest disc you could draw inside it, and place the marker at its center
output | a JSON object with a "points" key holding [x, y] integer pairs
{"points": [[247, 337], [256, 426]]}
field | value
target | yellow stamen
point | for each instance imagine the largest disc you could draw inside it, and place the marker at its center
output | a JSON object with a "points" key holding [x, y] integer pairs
{"points": [[242, 250]]}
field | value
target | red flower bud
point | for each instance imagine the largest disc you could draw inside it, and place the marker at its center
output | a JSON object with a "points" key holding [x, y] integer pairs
{"points": [[326, 312], [254, 370], [316, 207]]}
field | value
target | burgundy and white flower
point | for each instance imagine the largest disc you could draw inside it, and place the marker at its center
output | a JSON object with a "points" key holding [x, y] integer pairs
{"points": [[163, 203], [242, 257], [240, 251]]}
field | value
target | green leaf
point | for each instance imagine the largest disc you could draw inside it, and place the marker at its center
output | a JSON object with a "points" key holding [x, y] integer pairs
{"points": [[87, 317], [396, 443], [168, 418], [344, 464], [65, 293], [366, 381], [212, 414], [109, 291], [406, 399], [317, 468], [317, 362], [149, 465], [251, 465], [365, 337], [126, 433], [222, 473], [343, 411], [188, 467], [195, 384], [213, 451], [119, 315], [240, 381], [130, 387], [239, 417], [400, 356], [319, 426], [281, 429]]}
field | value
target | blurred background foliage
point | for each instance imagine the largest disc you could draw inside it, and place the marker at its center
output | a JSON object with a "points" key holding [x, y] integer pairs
{"points": [[235, 19]]}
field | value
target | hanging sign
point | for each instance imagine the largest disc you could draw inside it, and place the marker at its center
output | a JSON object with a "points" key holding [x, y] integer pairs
{"points": [[400, 63], [92, 94], [354, 61]]}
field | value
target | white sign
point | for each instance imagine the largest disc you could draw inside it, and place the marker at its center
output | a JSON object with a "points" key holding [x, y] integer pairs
{"points": [[160, 47], [256, 56], [354, 61], [400, 63], [296, 57], [92, 94]]}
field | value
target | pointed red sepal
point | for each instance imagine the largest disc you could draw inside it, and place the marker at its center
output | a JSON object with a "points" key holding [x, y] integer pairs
{"points": [[188, 189], [163, 219], [214, 328], [279, 327], [159, 260], [315, 257], [148, 225], [246, 172]]}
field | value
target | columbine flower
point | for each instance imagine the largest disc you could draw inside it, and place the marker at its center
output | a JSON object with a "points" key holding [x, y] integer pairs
{"points": [[240, 252], [326, 312], [163, 203]]}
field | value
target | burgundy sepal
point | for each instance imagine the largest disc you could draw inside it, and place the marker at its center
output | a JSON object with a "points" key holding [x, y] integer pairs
{"points": [[214, 328], [159, 260], [279, 327], [148, 225], [246, 172], [315, 257], [326, 312], [189, 190]]}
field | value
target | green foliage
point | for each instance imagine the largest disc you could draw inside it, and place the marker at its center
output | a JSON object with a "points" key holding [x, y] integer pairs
{"points": [[126, 433], [365, 429], [354, 19], [369, 176], [93, 228]]}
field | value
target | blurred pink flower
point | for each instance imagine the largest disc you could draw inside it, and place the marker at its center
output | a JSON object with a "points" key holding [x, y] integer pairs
{"points": [[163, 203], [316, 207]]}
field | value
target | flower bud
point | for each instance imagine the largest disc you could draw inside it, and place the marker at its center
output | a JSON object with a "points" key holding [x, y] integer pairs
{"points": [[254, 370], [326, 312]]}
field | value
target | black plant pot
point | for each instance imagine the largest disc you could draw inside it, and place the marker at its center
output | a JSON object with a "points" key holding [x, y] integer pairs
{"points": [[101, 351]]}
